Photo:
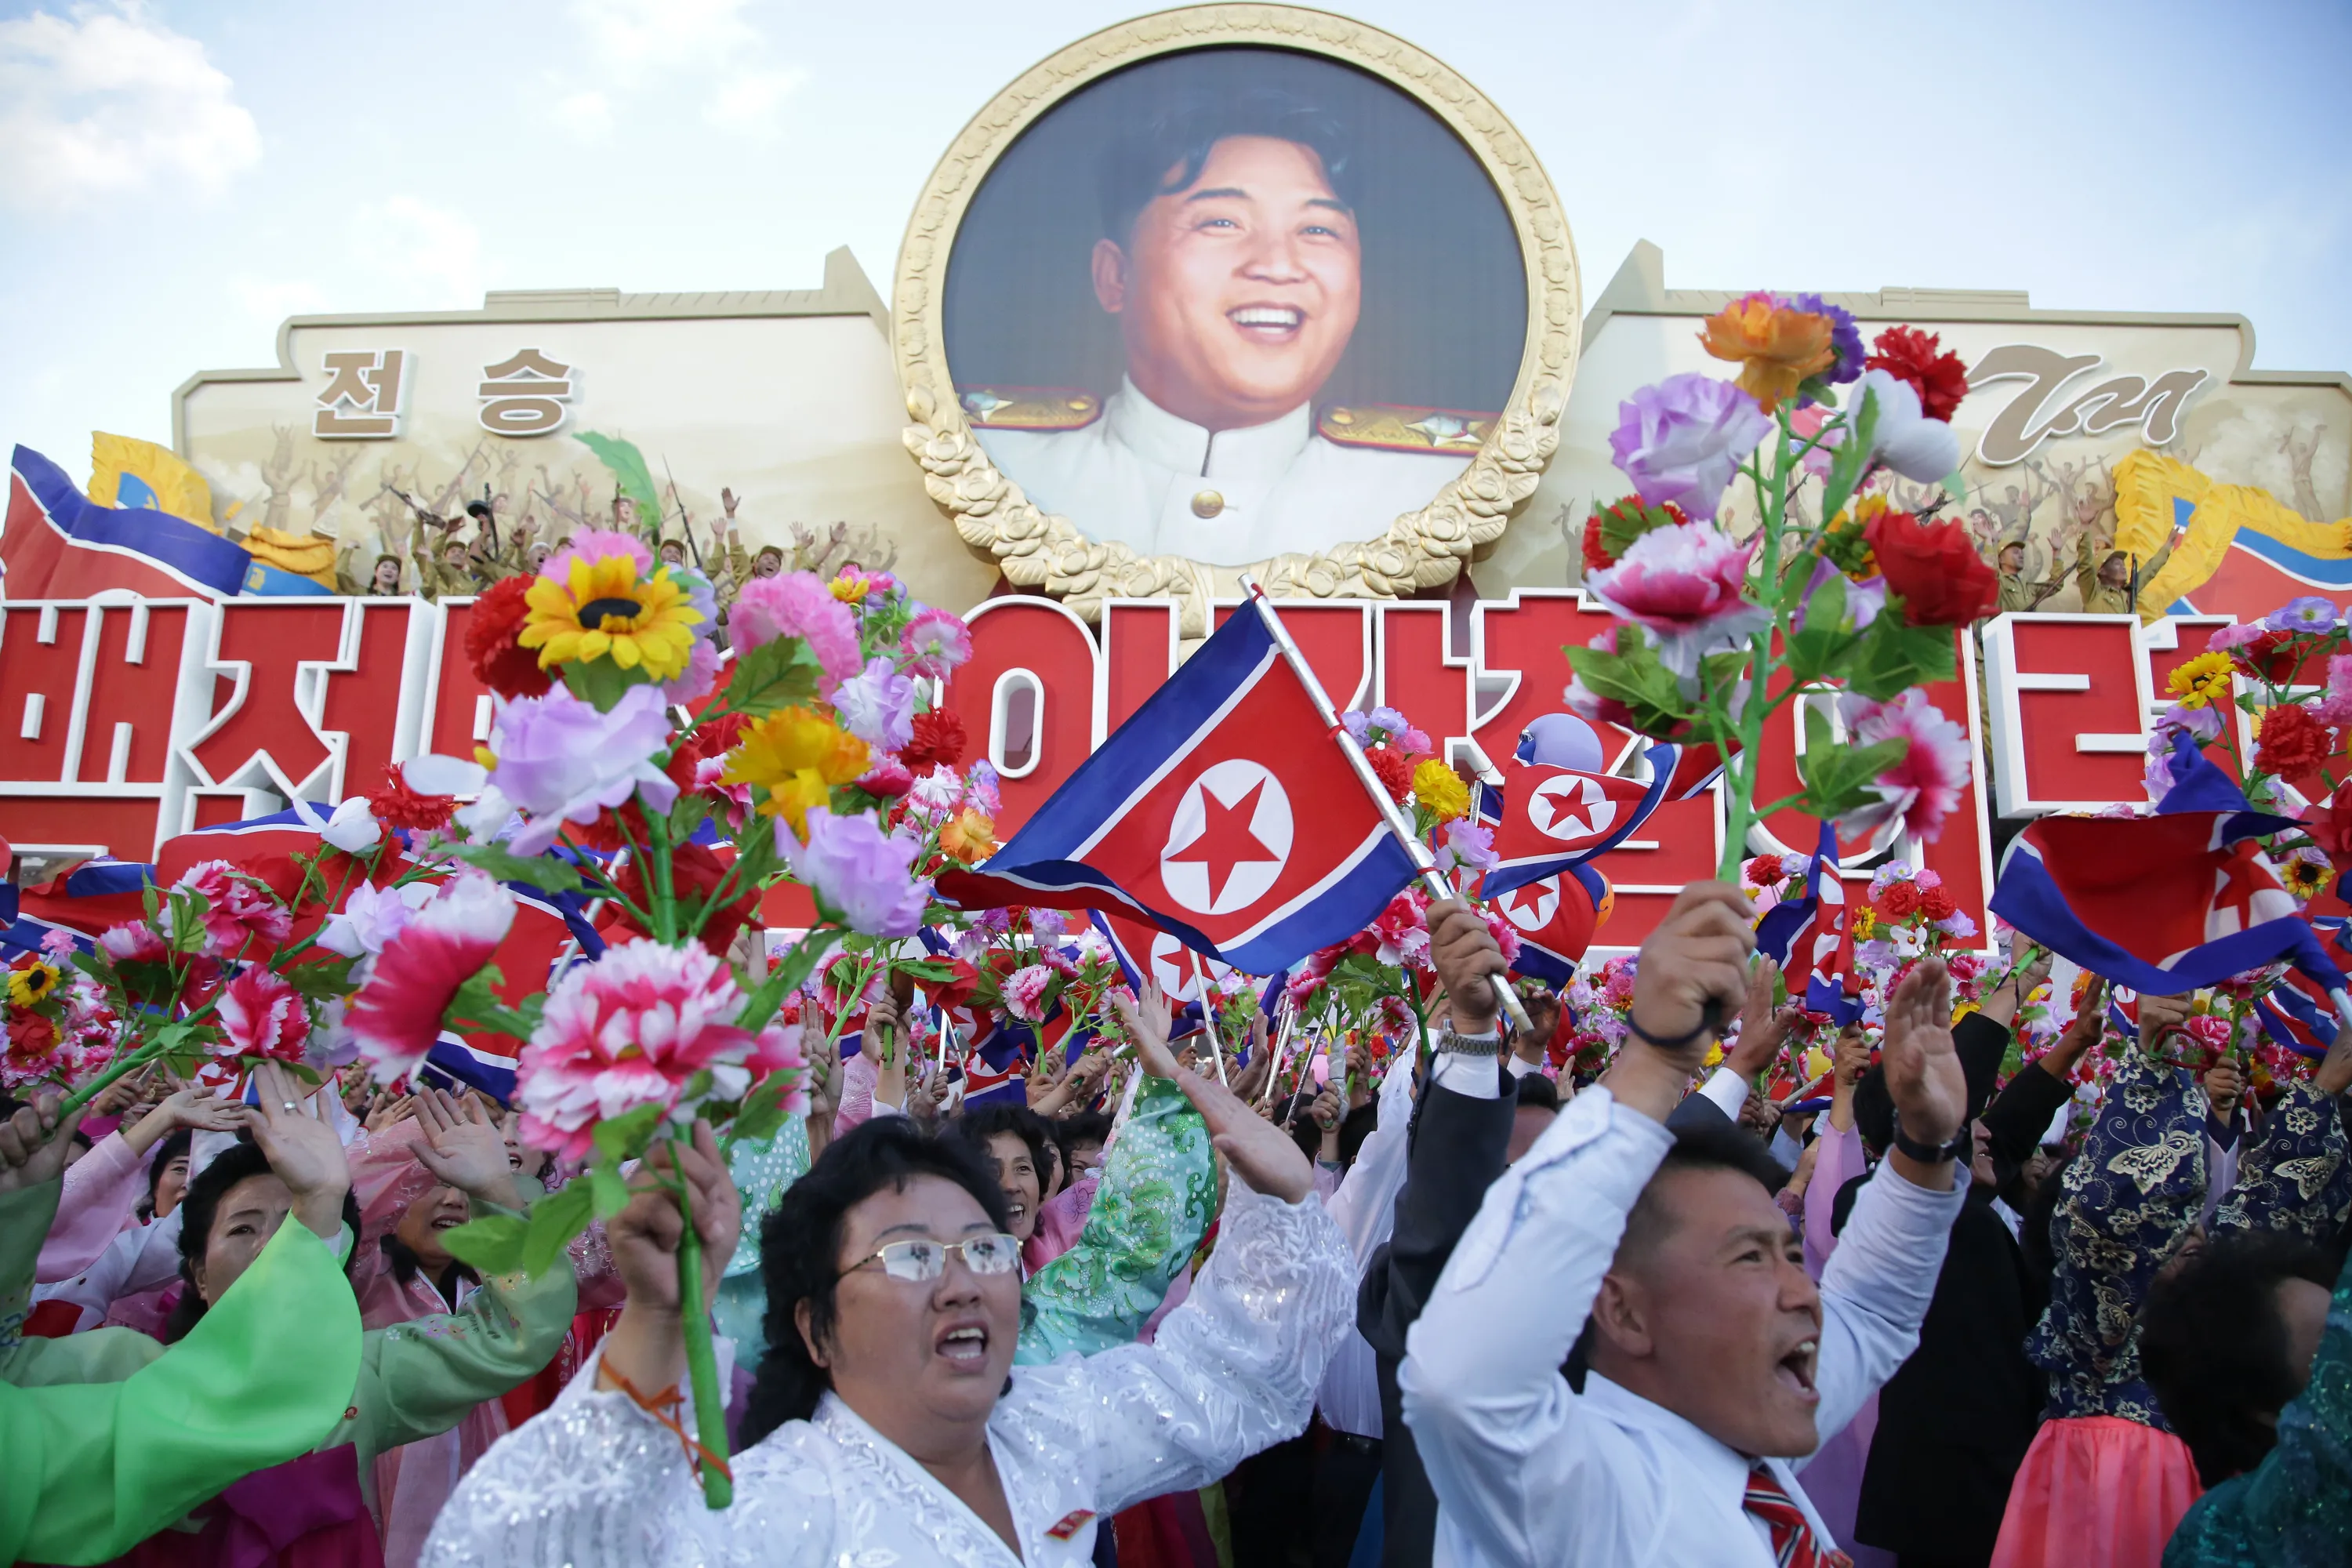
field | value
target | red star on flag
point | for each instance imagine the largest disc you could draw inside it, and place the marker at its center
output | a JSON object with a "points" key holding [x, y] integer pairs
{"points": [[1226, 840]]}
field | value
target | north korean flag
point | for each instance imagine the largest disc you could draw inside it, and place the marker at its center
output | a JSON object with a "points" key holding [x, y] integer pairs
{"points": [[1555, 818], [1225, 812], [2166, 903], [1556, 919], [56, 543], [1812, 935]]}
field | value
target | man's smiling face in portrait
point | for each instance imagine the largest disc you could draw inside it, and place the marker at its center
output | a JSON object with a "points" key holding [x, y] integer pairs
{"points": [[1237, 294]]}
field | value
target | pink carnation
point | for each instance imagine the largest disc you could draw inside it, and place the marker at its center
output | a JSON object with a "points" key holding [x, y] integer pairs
{"points": [[634, 1028], [935, 642], [1402, 930], [396, 1014], [1507, 935], [1025, 993], [597, 544], [796, 605], [262, 1018], [1925, 785], [238, 908], [1682, 581]]}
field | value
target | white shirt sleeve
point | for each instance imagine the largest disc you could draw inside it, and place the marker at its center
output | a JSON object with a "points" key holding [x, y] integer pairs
{"points": [[1498, 1427], [1875, 1290], [1473, 1076], [1727, 1089]]}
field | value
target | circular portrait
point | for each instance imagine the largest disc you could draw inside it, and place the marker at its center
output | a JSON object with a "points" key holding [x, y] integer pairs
{"points": [[1234, 302]]}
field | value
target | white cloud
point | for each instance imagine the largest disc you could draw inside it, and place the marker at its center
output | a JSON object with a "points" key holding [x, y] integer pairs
{"points": [[706, 46], [100, 102], [432, 258]]}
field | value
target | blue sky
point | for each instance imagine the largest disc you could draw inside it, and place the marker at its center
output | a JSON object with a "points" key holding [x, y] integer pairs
{"points": [[175, 178]]}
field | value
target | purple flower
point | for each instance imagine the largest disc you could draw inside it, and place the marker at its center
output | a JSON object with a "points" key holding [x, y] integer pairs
{"points": [[701, 675], [878, 705], [1048, 923], [1389, 719], [1467, 843], [858, 872], [1957, 925], [2308, 614], [979, 790], [2205, 723], [1864, 600], [562, 761], [1845, 338], [1682, 441], [1358, 727]]}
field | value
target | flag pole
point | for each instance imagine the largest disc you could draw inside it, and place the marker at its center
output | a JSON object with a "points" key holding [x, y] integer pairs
{"points": [[1280, 1050], [1422, 860], [1208, 1015]]}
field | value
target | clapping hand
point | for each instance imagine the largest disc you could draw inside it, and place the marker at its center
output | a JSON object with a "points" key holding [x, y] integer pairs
{"points": [[463, 1149], [290, 1127]]}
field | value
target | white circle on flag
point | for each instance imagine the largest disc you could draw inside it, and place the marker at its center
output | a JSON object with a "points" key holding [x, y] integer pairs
{"points": [[1531, 908], [1171, 967], [1228, 840], [1569, 807]]}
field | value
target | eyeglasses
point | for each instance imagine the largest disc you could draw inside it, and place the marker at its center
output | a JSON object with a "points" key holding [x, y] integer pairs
{"points": [[917, 1261]]}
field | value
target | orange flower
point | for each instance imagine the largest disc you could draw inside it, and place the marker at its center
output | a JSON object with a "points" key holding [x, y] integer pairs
{"points": [[968, 837], [1775, 347]]}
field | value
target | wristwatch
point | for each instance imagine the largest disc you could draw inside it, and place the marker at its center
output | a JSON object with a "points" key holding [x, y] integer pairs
{"points": [[1486, 1045], [1928, 1154]]}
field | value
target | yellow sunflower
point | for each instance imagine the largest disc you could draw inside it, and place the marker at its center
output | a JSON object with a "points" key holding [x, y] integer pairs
{"points": [[2201, 680], [797, 755], [32, 984], [604, 610], [1865, 923], [2305, 878], [1440, 790]]}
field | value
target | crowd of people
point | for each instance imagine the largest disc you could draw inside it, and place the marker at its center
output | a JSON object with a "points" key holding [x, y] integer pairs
{"points": [[1457, 1302]]}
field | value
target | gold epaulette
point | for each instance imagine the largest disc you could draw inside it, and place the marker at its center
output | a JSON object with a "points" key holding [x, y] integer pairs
{"points": [[1029, 407], [1399, 427]]}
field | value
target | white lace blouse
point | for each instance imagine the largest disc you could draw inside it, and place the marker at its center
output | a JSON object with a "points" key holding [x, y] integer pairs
{"points": [[595, 1482]]}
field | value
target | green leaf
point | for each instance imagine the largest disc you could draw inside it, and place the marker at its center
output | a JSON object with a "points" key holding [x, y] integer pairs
{"points": [[1893, 656], [545, 872], [624, 1137], [554, 1221], [1851, 455], [1814, 652], [1637, 680], [628, 466], [930, 971], [763, 1111], [610, 1194], [321, 978], [776, 674], [188, 910], [1956, 486], [1838, 775], [492, 1244], [598, 682]]}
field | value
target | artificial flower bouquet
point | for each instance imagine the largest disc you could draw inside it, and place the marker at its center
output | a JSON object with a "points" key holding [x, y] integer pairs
{"points": [[1826, 590]]}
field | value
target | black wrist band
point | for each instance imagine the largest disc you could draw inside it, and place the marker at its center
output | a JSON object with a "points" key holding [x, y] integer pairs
{"points": [[1675, 1043], [1928, 1154]]}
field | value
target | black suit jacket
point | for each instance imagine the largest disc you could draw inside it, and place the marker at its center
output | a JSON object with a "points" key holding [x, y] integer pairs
{"points": [[1454, 1150]]}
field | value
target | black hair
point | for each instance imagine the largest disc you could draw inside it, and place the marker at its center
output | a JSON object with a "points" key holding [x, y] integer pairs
{"points": [[1086, 1127], [198, 1205], [1540, 1091], [174, 1146], [1138, 167], [800, 1251], [1355, 1127], [406, 1266], [2213, 1346], [1874, 1109]]}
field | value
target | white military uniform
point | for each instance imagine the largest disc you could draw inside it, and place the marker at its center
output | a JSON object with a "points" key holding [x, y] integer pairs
{"points": [[1140, 476]]}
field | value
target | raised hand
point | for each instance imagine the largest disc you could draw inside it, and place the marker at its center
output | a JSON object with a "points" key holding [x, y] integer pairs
{"points": [[291, 1129], [1923, 1069], [1697, 956], [1463, 952], [1258, 1152], [826, 1077], [645, 1346], [464, 1148], [194, 1108], [34, 1144]]}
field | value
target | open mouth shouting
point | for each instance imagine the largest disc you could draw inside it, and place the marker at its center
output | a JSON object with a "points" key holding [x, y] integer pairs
{"points": [[1795, 1370], [1270, 324], [963, 1343]]}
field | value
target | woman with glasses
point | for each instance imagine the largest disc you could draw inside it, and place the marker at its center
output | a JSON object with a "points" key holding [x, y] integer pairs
{"points": [[889, 1422]]}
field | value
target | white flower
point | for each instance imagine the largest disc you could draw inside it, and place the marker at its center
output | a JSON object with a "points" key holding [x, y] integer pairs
{"points": [[1921, 449]]}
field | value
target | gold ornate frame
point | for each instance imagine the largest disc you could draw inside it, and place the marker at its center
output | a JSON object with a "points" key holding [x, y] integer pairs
{"points": [[1423, 549]]}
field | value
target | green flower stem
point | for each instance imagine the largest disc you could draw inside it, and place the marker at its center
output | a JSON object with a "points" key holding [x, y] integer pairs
{"points": [[701, 1362], [1739, 771], [665, 909]]}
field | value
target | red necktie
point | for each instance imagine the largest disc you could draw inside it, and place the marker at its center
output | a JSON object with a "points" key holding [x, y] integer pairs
{"points": [[1794, 1545]]}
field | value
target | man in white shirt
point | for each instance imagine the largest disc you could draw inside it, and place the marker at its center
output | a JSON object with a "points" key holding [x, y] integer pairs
{"points": [[1715, 1366], [1231, 258]]}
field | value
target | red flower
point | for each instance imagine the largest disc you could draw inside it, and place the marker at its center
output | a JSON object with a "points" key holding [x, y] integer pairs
{"points": [[1900, 901], [499, 662], [1766, 872], [939, 738], [1395, 770], [1596, 557], [1935, 568], [2330, 826], [397, 806], [695, 874], [1910, 354], [1937, 905], [2293, 743]]}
